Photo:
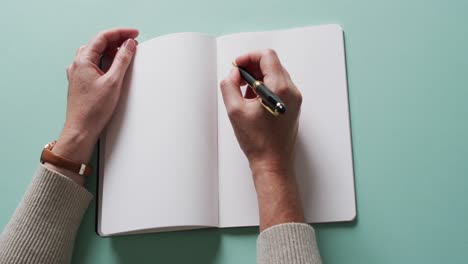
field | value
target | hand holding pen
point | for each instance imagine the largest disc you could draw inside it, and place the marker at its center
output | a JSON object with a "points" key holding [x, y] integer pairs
{"points": [[259, 132], [267, 141], [269, 100]]}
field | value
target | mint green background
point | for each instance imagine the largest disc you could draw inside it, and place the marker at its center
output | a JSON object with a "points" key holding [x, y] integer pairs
{"points": [[407, 72]]}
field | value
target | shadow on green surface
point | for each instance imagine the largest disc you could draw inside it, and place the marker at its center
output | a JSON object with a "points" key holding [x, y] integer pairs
{"points": [[197, 246], [337, 225], [240, 231]]}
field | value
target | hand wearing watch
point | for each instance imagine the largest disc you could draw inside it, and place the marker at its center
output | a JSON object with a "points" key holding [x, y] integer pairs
{"points": [[62, 162]]}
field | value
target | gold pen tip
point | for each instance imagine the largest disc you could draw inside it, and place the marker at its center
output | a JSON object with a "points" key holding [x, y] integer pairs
{"points": [[234, 64]]}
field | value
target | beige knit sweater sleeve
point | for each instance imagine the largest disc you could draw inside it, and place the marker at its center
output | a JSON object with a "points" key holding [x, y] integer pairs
{"points": [[43, 227]]}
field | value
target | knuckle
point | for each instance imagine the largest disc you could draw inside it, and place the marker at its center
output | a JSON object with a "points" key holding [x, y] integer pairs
{"points": [[234, 111], [299, 98], [68, 69], [76, 62], [112, 80], [123, 58], [80, 49], [282, 88], [270, 52], [273, 59], [100, 33], [79, 62]]}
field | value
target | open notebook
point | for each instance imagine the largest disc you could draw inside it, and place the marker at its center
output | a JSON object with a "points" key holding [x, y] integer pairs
{"points": [[169, 159]]}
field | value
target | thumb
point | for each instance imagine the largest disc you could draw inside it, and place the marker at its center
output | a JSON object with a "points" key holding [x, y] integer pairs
{"points": [[230, 89], [122, 59]]}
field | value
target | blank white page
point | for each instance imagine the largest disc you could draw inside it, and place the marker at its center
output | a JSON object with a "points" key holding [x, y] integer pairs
{"points": [[315, 59], [159, 152]]}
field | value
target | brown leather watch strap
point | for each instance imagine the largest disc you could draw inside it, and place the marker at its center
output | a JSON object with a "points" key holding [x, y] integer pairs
{"points": [[62, 162]]}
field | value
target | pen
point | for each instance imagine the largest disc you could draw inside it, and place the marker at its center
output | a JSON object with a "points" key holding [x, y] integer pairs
{"points": [[267, 98]]}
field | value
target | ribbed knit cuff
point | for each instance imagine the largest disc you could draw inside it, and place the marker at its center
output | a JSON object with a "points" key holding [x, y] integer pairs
{"points": [[44, 226], [291, 243]]}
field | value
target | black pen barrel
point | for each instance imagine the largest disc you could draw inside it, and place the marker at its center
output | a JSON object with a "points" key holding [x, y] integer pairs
{"points": [[247, 77], [268, 97]]}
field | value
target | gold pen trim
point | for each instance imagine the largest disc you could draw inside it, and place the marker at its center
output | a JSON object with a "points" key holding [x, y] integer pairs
{"points": [[256, 84], [273, 112]]}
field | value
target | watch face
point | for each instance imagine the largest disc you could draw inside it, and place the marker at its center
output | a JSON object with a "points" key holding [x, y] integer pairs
{"points": [[50, 145]]}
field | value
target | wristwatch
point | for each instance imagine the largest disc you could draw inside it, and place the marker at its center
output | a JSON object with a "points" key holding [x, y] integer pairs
{"points": [[62, 162]]}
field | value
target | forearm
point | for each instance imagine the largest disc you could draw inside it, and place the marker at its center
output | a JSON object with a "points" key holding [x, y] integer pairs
{"points": [[44, 226], [277, 194], [284, 237]]}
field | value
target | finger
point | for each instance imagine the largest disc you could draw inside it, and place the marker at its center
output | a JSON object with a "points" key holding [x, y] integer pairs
{"points": [[273, 73], [109, 54], [122, 60], [264, 62], [107, 39], [230, 89], [112, 49], [79, 50], [68, 72]]}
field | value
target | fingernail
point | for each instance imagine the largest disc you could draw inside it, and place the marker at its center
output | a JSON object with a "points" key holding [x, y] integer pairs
{"points": [[130, 44]]}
